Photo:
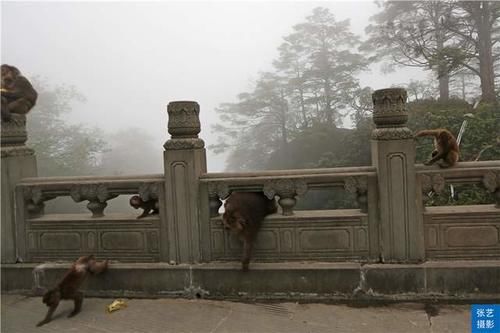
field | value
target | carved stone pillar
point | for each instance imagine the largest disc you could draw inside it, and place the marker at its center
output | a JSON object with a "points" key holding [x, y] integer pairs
{"points": [[18, 161], [393, 154], [184, 160]]}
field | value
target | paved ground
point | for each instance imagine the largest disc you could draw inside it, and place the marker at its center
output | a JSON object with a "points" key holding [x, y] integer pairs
{"points": [[20, 314]]}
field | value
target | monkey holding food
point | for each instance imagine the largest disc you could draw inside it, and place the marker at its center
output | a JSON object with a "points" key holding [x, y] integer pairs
{"points": [[445, 147], [243, 214], [68, 287], [18, 95], [148, 206]]}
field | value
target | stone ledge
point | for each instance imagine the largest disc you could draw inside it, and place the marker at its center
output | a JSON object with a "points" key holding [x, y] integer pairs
{"points": [[325, 282]]}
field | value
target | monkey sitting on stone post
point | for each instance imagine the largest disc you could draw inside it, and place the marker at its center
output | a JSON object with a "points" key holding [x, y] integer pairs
{"points": [[18, 95]]}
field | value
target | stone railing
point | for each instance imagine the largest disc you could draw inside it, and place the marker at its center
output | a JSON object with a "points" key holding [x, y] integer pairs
{"points": [[391, 223], [343, 234], [461, 232], [42, 237]]}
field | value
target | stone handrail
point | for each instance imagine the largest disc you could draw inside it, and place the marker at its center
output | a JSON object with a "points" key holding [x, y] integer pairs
{"points": [[287, 184], [486, 173], [97, 190]]}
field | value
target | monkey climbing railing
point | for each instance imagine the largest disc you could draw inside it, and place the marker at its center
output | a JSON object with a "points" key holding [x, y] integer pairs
{"points": [[318, 235]]}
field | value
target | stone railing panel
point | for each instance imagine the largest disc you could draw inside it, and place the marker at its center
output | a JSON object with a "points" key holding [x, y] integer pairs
{"points": [[118, 236], [341, 234]]}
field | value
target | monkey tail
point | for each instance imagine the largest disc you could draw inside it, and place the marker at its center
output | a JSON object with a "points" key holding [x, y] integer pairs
{"points": [[435, 133]]}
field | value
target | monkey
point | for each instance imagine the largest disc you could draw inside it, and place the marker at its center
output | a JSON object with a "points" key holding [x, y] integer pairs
{"points": [[18, 95], [445, 147], [68, 287], [137, 202], [243, 214]]}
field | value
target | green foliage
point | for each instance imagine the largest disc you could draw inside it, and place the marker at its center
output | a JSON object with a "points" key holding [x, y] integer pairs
{"points": [[462, 195], [61, 149]]}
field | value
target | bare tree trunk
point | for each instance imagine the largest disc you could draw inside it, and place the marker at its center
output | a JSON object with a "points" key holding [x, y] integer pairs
{"points": [[444, 87], [481, 14]]}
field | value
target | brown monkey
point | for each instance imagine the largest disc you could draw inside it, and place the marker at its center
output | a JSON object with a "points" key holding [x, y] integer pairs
{"points": [[68, 287], [18, 95], [243, 214], [445, 147], [150, 205]]}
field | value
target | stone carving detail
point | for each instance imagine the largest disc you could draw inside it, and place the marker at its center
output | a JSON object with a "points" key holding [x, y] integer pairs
{"points": [[13, 151], [216, 192], [183, 119], [179, 144], [219, 189], [390, 115], [359, 186], [431, 183], [96, 194], [398, 133], [183, 126], [149, 191], [286, 189], [389, 107], [491, 181], [34, 199], [14, 131]]}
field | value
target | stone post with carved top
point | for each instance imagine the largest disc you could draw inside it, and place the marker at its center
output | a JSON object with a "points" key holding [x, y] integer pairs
{"points": [[393, 154], [18, 161], [184, 160]]}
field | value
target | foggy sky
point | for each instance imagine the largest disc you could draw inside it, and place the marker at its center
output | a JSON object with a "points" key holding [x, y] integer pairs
{"points": [[130, 59]]}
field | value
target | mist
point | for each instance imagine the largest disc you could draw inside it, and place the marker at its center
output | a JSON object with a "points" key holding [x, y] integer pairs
{"points": [[130, 59]]}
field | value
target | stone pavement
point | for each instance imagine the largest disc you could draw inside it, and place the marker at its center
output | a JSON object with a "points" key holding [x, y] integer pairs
{"points": [[20, 314]]}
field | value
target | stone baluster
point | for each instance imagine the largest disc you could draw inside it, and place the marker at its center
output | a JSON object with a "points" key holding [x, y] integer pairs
{"points": [[491, 182], [184, 161], [96, 194], [393, 155], [359, 186], [286, 189], [34, 201]]}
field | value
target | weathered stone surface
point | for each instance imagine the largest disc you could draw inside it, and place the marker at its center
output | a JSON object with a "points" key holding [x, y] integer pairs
{"points": [[455, 280]]}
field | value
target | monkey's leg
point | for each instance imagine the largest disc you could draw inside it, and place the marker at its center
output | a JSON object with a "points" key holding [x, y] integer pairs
{"points": [[48, 317], [435, 158], [144, 213], [19, 106], [247, 252], [78, 298]]}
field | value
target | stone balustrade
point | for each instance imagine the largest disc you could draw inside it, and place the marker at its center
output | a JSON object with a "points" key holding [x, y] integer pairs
{"points": [[391, 224], [56, 236]]}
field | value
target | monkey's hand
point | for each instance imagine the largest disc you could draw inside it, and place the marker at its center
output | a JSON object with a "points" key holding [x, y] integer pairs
{"points": [[429, 162]]}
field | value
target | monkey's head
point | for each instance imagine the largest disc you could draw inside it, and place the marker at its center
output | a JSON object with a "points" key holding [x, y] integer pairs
{"points": [[232, 219], [52, 297], [9, 75], [136, 201]]}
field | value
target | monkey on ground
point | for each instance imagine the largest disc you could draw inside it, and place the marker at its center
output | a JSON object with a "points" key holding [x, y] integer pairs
{"points": [[243, 214], [18, 95], [150, 205], [68, 287], [445, 147]]}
